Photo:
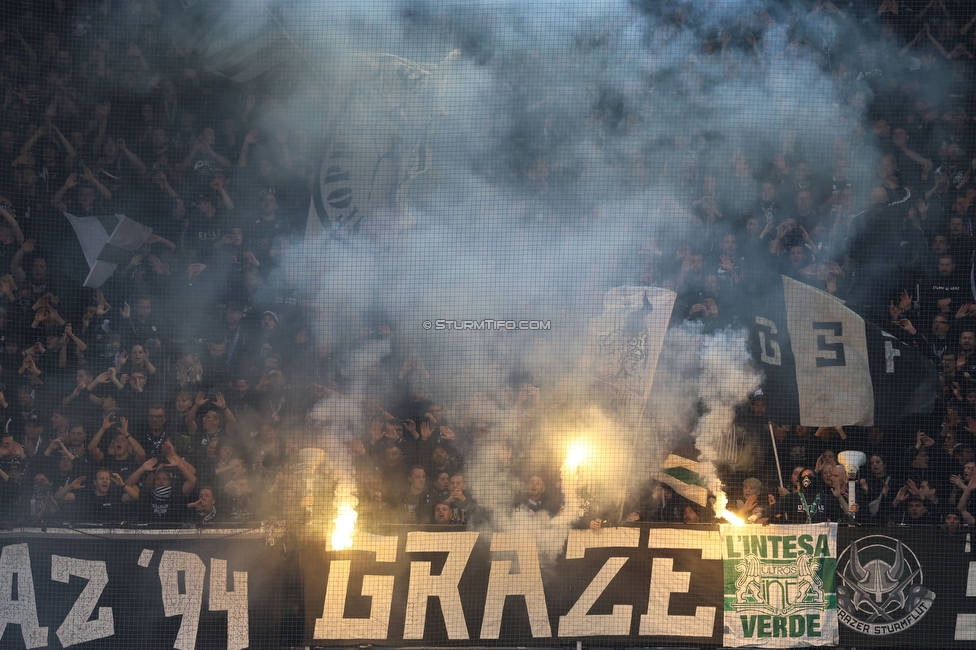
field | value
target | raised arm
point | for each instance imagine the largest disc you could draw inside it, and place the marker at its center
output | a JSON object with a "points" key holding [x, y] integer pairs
{"points": [[90, 177], [969, 25], [103, 378], [875, 506], [935, 42], [9, 218], [27, 146], [148, 466], [129, 492], [113, 376], [156, 239], [134, 159], [136, 53], [58, 445], [160, 179], [67, 399], [93, 449], [221, 159], [69, 148], [186, 469], [81, 345], [24, 44], [903, 51], [191, 415], [221, 403], [249, 139], [922, 161], [63, 351], [964, 501], [220, 184], [186, 162], [68, 490], [137, 447], [57, 201]]}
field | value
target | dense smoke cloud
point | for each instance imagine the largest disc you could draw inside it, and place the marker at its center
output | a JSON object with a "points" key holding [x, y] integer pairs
{"points": [[535, 189], [555, 138]]}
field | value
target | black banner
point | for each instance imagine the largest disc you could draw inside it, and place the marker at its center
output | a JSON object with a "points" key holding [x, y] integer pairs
{"points": [[896, 587], [905, 586], [430, 587], [139, 589]]}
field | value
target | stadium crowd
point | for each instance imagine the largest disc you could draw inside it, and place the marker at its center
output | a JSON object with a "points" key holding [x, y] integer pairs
{"points": [[177, 393]]}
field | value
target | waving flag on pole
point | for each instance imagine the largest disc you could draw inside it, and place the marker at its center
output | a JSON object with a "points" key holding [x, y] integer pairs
{"points": [[378, 144], [827, 366], [237, 39], [685, 476], [625, 343], [104, 251]]}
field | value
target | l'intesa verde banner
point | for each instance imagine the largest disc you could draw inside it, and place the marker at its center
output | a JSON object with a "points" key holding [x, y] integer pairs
{"points": [[775, 586], [779, 585]]}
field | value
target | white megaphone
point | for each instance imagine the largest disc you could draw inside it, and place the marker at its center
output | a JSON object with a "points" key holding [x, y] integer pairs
{"points": [[851, 461]]}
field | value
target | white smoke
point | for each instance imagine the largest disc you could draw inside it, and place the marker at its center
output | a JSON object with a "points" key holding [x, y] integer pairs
{"points": [[339, 421], [565, 134], [727, 379]]}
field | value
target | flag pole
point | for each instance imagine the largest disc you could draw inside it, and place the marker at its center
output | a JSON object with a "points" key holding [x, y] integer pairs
{"points": [[779, 470], [291, 40]]}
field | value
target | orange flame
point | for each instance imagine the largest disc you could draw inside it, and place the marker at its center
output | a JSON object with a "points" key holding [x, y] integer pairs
{"points": [[722, 512]]}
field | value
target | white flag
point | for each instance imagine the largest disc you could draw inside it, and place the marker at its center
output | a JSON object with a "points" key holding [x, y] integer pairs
{"points": [[833, 375]]}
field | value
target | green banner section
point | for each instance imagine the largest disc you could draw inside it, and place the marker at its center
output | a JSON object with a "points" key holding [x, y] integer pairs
{"points": [[779, 586]]}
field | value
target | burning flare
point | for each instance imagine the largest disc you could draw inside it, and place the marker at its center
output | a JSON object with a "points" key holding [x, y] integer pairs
{"points": [[577, 453], [721, 512], [345, 526]]}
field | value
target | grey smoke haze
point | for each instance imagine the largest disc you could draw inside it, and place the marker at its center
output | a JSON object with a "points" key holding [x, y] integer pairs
{"points": [[562, 135], [591, 91]]}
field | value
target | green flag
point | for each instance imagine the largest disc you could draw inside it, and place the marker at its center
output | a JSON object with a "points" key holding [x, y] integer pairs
{"points": [[780, 587]]}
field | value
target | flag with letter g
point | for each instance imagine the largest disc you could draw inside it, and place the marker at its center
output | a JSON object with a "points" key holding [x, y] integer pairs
{"points": [[827, 366]]}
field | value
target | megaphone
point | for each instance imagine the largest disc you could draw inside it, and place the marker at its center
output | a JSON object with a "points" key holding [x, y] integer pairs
{"points": [[851, 461]]}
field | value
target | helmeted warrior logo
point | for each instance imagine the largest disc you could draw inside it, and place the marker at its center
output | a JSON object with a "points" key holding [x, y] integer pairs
{"points": [[880, 588]]}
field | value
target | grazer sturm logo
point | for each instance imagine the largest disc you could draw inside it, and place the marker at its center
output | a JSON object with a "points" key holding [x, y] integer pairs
{"points": [[880, 590]]}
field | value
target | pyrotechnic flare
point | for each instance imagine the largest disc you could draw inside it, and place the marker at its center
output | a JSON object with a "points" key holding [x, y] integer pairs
{"points": [[345, 523], [726, 379], [577, 454], [722, 512]]}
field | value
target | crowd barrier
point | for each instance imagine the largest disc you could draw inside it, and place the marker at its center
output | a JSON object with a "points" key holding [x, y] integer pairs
{"points": [[773, 586]]}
